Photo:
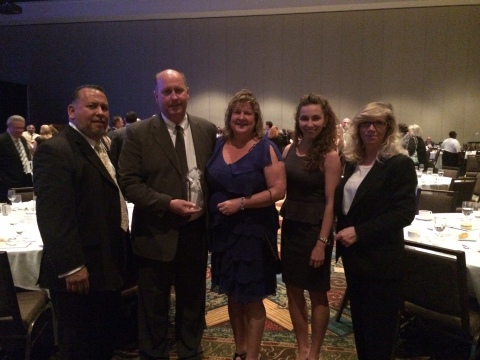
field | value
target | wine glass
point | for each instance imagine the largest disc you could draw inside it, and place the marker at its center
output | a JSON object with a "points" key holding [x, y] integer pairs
{"points": [[11, 193], [19, 228], [439, 224]]}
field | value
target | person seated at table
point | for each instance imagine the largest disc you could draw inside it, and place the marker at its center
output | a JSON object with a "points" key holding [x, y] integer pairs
{"points": [[451, 150], [429, 143], [374, 201]]}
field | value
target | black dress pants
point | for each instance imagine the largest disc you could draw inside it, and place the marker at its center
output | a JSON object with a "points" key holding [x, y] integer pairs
{"points": [[375, 306], [187, 273], [88, 325]]}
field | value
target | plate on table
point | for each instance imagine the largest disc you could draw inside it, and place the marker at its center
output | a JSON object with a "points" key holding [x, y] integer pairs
{"points": [[458, 224], [424, 218]]}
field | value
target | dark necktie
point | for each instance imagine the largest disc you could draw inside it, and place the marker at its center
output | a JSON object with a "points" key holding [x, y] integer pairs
{"points": [[182, 157]]}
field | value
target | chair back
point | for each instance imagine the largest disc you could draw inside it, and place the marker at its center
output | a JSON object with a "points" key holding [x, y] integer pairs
{"points": [[438, 201], [476, 189], [451, 171], [26, 192], [464, 186], [471, 165], [437, 154], [11, 320], [442, 300]]}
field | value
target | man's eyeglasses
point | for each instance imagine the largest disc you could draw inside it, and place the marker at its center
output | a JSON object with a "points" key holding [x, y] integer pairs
{"points": [[379, 124]]}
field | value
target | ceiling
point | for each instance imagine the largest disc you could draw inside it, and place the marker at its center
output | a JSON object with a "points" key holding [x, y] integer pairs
{"points": [[67, 11]]}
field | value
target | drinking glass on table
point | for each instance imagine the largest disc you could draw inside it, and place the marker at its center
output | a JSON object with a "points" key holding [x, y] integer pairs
{"points": [[421, 167], [11, 193], [467, 209], [440, 172], [439, 224], [429, 171]]}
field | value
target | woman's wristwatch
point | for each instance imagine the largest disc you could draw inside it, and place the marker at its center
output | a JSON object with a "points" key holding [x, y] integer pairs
{"points": [[325, 240]]}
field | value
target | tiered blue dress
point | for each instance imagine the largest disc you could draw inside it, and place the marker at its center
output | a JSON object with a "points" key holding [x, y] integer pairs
{"points": [[242, 265]]}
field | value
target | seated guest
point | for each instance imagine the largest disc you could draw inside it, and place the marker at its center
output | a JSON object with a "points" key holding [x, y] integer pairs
{"points": [[451, 149], [429, 143]]}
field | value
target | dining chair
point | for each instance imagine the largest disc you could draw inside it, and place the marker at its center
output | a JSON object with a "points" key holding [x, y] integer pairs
{"points": [[442, 303], [465, 187], [476, 189], [24, 315], [451, 171], [437, 201], [26, 192], [471, 164]]}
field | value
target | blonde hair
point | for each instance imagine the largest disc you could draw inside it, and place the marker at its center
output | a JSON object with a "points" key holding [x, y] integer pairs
{"points": [[355, 148]]}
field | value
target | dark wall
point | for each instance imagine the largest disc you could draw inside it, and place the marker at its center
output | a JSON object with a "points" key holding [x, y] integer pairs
{"points": [[13, 101]]}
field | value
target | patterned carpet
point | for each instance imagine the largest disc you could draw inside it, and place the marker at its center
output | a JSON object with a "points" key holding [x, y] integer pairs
{"points": [[415, 343]]}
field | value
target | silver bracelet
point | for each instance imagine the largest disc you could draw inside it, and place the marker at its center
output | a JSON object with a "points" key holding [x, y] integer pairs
{"points": [[242, 203]]}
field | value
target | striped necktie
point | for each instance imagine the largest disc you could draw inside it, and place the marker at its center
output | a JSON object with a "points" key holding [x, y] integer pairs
{"points": [[23, 156], [102, 153]]}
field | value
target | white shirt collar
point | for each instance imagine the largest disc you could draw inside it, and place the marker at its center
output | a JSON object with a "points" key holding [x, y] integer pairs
{"points": [[171, 125]]}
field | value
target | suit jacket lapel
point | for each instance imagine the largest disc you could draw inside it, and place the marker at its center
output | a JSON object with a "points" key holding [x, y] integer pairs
{"points": [[198, 142], [88, 152], [162, 136]]}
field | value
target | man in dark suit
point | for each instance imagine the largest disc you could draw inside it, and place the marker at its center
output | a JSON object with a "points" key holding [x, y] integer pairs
{"points": [[169, 232], [82, 222], [13, 172], [119, 136]]}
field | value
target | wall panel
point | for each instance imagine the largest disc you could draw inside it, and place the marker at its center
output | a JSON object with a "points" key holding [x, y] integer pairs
{"points": [[423, 60]]}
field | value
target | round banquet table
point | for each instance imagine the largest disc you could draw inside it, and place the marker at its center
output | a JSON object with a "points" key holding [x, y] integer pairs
{"points": [[24, 251], [421, 230]]}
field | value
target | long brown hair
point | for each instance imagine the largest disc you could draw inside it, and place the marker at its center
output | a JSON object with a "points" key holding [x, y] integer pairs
{"points": [[323, 142]]}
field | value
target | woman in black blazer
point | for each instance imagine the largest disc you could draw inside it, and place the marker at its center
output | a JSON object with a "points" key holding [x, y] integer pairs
{"points": [[373, 203]]}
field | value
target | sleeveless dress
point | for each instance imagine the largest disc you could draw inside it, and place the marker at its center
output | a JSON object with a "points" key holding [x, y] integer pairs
{"points": [[302, 213], [241, 264]]}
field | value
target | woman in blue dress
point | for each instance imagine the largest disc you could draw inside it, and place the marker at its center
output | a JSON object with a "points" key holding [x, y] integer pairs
{"points": [[246, 176]]}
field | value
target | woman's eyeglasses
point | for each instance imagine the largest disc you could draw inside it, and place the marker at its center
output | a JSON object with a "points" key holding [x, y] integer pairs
{"points": [[378, 124]]}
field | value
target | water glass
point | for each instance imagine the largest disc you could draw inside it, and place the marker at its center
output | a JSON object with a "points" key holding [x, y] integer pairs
{"points": [[421, 167], [440, 172], [439, 224], [467, 209], [11, 193], [429, 171]]}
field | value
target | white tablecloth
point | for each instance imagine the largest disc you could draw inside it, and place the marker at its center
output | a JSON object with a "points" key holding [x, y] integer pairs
{"points": [[450, 239], [434, 182], [24, 251], [25, 254]]}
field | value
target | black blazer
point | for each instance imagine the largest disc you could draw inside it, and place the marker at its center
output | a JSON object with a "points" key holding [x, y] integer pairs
{"points": [[78, 213], [383, 205], [11, 167], [150, 176]]}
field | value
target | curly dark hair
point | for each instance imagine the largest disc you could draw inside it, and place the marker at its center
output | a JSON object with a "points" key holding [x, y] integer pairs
{"points": [[323, 142]]}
